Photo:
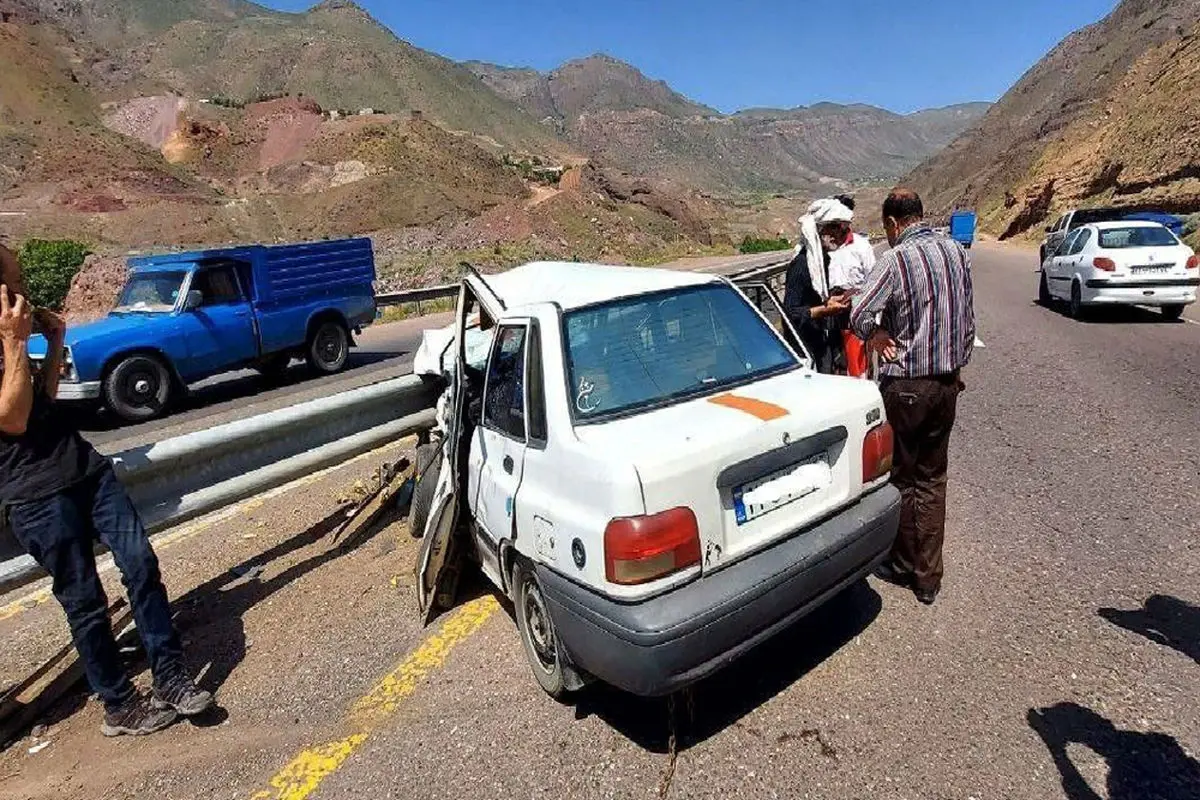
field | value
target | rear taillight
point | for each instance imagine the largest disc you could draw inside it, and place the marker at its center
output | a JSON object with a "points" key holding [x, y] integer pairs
{"points": [[1106, 264], [643, 549], [877, 453], [1193, 262]]}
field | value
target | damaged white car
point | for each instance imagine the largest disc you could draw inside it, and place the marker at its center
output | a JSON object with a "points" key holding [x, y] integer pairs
{"points": [[648, 468]]}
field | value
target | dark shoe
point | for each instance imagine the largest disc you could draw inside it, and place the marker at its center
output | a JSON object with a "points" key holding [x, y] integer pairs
{"points": [[926, 596], [138, 717], [182, 695], [887, 572]]}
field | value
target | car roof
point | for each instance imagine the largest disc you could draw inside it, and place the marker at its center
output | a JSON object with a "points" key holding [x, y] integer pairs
{"points": [[574, 285]]}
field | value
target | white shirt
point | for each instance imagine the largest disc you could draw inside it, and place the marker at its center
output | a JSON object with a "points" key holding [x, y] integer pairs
{"points": [[850, 264]]}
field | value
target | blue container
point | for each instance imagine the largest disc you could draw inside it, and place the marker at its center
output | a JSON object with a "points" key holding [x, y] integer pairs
{"points": [[962, 227]]}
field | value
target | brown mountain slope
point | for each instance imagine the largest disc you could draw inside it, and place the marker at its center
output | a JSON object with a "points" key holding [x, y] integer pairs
{"points": [[1070, 89], [620, 116]]}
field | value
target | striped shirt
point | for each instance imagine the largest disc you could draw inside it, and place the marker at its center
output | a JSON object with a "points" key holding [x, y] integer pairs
{"points": [[922, 288]]}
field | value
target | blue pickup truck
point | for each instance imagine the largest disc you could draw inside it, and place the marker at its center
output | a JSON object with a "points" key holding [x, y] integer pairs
{"points": [[184, 317], [962, 227]]}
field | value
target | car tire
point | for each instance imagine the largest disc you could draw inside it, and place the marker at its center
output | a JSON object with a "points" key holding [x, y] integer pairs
{"points": [[429, 467], [274, 366], [1172, 312], [539, 639], [1076, 308], [138, 388], [328, 347], [1045, 299]]}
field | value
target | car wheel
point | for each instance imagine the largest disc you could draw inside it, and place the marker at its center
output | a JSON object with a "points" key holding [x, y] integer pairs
{"points": [[328, 348], [538, 637], [1076, 307], [429, 467], [1172, 312], [1044, 297], [138, 388]]}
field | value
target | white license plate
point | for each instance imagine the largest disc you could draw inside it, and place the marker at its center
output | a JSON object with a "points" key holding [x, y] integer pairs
{"points": [[767, 494], [1152, 269]]}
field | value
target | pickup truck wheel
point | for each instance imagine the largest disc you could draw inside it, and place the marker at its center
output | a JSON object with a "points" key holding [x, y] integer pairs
{"points": [[138, 388], [429, 467], [328, 348], [1172, 312], [538, 637]]}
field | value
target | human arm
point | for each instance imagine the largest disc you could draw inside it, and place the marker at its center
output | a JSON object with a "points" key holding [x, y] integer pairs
{"points": [[873, 299], [798, 295], [16, 384], [54, 328]]}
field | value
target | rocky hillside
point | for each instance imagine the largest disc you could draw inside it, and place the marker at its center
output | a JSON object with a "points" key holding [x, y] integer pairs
{"points": [[618, 115], [1107, 116]]}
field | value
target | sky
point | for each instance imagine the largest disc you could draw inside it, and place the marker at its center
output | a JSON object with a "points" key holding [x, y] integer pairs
{"points": [[733, 54]]}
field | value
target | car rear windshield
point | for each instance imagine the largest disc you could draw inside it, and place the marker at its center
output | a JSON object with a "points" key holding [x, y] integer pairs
{"points": [[655, 349], [1142, 236]]}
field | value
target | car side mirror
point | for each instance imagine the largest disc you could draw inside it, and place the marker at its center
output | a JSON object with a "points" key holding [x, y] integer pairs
{"points": [[194, 299]]}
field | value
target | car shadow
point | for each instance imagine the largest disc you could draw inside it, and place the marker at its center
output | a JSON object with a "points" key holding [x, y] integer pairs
{"points": [[92, 419], [1140, 765], [1163, 620], [722, 700], [1126, 315]]}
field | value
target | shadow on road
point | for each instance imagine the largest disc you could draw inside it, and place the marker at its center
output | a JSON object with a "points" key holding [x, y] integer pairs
{"points": [[1141, 766], [1115, 315], [1164, 620], [94, 420], [713, 705]]}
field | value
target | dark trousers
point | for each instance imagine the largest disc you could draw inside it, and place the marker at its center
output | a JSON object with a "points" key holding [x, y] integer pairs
{"points": [[921, 412], [59, 532]]}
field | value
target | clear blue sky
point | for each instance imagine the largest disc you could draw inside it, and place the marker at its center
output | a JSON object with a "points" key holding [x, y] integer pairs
{"points": [[733, 54]]}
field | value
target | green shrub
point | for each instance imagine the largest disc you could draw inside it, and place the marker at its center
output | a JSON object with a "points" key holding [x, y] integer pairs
{"points": [[48, 267], [754, 244]]}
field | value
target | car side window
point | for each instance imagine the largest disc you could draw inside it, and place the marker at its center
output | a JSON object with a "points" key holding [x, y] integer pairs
{"points": [[219, 285], [504, 392], [1067, 243], [1081, 241], [537, 388]]}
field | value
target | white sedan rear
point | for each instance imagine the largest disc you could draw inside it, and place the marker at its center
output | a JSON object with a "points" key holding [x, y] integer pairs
{"points": [[1121, 263]]}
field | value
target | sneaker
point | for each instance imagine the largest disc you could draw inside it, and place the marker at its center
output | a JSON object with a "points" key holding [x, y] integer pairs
{"points": [[182, 696], [138, 717]]}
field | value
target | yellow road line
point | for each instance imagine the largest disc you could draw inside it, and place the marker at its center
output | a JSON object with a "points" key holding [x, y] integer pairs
{"points": [[304, 773]]}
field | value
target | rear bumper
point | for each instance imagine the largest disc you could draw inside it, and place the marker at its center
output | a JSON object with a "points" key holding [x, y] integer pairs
{"points": [[1146, 291], [89, 390], [665, 643]]}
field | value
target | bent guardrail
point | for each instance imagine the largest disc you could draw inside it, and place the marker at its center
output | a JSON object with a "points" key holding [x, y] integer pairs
{"points": [[179, 479]]}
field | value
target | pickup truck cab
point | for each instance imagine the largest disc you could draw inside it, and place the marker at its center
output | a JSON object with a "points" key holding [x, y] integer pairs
{"points": [[649, 469], [184, 317], [1074, 219]]}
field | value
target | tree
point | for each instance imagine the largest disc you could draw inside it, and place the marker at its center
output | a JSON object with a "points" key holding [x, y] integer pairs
{"points": [[48, 267]]}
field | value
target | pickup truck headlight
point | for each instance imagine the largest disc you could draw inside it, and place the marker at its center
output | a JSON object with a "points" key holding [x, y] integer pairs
{"points": [[66, 370]]}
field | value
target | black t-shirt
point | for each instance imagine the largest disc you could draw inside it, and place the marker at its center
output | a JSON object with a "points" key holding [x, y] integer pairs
{"points": [[49, 457]]}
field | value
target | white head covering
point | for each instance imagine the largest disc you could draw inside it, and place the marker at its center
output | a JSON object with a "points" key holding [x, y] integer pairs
{"points": [[821, 212]]}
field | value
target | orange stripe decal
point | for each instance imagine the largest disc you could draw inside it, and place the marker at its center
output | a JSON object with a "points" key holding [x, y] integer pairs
{"points": [[755, 408]]}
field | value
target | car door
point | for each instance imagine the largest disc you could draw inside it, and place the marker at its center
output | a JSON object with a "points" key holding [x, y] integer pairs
{"points": [[220, 332], [1074, 264], [497, 457], [767, 302], [1057, 271]]}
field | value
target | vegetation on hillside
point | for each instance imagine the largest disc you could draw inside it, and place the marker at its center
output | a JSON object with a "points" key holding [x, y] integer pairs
{"points": [[754, 244], [48, 267]]}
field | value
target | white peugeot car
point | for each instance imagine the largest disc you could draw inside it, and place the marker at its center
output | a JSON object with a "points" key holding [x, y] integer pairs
{"points": [[650, 471], [1121, 263]]}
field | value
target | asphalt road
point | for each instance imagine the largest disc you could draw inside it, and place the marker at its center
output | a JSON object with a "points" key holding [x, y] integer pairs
{"points": [[1060, 661], [383, 351]]}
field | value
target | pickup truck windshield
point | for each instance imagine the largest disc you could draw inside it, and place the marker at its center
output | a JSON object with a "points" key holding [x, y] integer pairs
{"points": [[151, 291], [1141, 236], [655, 349]]}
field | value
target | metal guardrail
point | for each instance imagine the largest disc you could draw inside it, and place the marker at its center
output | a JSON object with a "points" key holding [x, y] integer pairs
{"points": [[179, 479], [416, 295]]}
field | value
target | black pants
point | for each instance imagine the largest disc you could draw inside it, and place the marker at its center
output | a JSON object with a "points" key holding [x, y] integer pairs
{"points": [[921, 412], [59, 532]]}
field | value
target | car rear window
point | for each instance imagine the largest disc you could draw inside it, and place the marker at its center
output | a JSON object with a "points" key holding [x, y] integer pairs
{"points": [[655, 349], [1142, 236]]}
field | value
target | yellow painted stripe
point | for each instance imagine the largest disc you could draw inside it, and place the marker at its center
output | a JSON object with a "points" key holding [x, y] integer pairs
{"points": [[752, 406], [304, 773]]}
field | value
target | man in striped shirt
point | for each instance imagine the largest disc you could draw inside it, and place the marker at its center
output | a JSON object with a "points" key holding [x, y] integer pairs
{"points": [[922, 290]]}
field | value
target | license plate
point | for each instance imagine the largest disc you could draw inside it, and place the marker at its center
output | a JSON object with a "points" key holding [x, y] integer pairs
{"points": [[1152, 269], [769, 493]]}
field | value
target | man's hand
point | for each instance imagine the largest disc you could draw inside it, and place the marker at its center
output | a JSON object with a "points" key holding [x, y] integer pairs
{"points": [[16, 319], [881, 342], [53, 324], [837, 303]]}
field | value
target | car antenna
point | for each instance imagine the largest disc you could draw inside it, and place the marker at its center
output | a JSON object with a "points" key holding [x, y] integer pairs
{"points": [[471, 268]]}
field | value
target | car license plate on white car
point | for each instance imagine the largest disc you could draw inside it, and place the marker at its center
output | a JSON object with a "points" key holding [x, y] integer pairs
{"points": [[1151, 269], [773, 491]]}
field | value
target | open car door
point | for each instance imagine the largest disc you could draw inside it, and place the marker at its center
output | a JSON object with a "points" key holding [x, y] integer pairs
{"points": [[762, 297], [442, 547]]}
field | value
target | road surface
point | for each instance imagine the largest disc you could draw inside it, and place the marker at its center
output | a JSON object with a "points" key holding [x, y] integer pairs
{"points": [[1061, 660]]}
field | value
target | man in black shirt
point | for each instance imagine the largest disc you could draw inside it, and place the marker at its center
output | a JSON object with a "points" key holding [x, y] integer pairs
{"points": [[60, 496]]}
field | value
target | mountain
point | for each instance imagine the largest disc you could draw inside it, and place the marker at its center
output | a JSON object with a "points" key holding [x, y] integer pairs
{"points": [[335, 54], [618, 115], [1109, 115]]}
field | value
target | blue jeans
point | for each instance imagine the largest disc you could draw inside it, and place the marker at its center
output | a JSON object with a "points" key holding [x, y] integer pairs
{"points": [[59, 532]]}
